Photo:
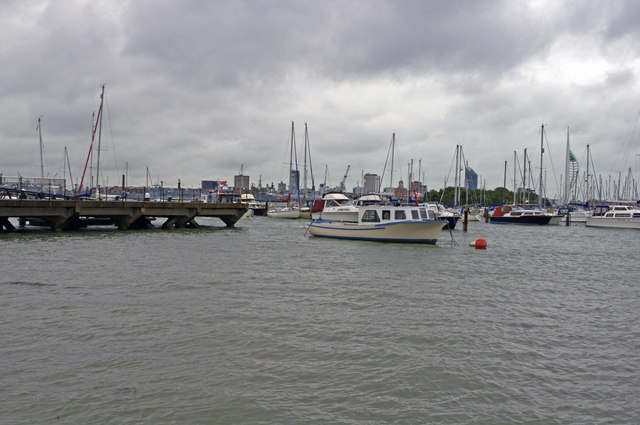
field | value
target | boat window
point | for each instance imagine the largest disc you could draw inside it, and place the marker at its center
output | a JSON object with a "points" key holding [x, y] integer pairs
{"points": [[386, 214], [370, 216], [400, 215], [415, 215], [423, 213]]}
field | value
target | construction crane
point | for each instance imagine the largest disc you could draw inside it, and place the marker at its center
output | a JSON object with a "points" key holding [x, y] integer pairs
{"points": [[346, 174]]}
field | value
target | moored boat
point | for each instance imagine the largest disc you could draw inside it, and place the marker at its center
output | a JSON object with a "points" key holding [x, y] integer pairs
{"points": [[283, 211], [384, 223], [256, 208], [444, 214], [618, 216], [507, 214], [334, 206]]}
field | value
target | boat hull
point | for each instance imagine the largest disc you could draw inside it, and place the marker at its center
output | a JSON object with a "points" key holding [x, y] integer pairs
{"points": [[611, 222], [426, 232], [556, 219], [294, 213], [535, 220]]}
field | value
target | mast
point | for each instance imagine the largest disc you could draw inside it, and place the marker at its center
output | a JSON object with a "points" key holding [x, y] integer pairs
{"points": [[99, 143], [466, 182], [565, 198], [541, 152], [515, 165], [306, 139], [524, 178], [291, 157], [93, 136], [393, 147], [41, 157], [307, 151], [588, 181], [455, 178]]}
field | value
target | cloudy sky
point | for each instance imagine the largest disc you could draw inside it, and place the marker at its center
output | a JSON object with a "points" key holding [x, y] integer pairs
{"points": [[195, 90]]}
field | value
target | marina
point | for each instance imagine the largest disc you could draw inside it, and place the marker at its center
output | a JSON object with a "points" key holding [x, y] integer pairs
{"points": [[104, 326], [318, 213]]}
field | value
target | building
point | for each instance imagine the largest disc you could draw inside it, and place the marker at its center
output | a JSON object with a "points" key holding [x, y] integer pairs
{"points": [[400, 192], [471, 178], [294, 181], [371, 183], [241, 183]]}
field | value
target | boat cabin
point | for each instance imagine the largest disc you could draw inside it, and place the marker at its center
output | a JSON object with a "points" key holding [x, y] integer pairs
{"points": [[331, 200], [220, 197], [616, 211], [622, 211], [388, 213]]}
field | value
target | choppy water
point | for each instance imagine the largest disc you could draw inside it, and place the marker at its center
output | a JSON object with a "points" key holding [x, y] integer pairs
{"points": [[263, 324]]}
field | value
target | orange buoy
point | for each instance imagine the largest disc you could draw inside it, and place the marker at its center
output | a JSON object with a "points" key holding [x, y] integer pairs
{"points": [[480, 243]]}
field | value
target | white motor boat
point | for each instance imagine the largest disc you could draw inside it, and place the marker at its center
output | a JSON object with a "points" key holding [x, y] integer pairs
{"points": [[385, 223], [618, 216], [283, 212], [334, 206]]}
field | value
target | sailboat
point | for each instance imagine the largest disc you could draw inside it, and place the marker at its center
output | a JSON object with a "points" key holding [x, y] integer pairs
{"points": [[288, 211]]}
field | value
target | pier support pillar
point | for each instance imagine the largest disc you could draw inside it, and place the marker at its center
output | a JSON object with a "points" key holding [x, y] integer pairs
{"points": [[57, 223], [193, 223], [6, 224], [169, 223], [230, 220], [181, 222], [135, 220]]}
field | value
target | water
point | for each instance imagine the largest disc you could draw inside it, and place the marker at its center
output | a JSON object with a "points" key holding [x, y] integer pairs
{"points": [[263, 324]]}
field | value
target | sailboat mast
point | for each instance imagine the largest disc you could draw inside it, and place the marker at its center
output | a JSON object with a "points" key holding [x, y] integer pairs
{"points": [[515, 187], [588, 181], [541, 152], [566, 172], [393, 147], [306, 137], [455, 178], [466, 182], [99, 143], [41, 157], [524, 178], [291, 156]]}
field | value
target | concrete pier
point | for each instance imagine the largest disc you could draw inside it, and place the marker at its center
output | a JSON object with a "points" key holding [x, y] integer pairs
{"points": [[62, 215]]}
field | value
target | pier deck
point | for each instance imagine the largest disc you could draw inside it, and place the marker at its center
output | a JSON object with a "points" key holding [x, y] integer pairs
{"points": [[62, 215]]}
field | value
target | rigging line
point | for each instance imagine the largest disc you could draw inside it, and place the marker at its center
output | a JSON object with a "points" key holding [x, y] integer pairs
{"points": [[385, 165], [113, 144], [553, 168], [446, 179], [626, 146], [313, 184]]}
